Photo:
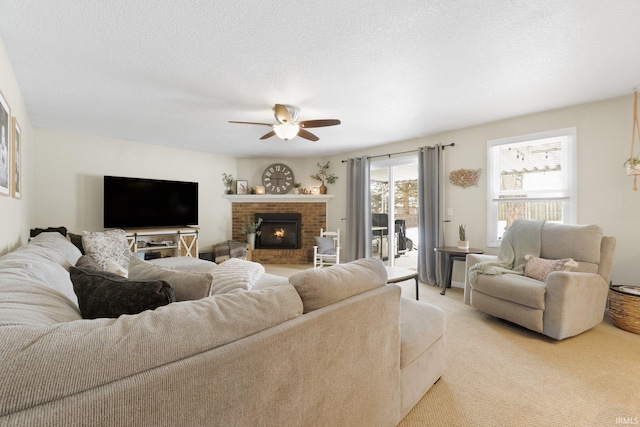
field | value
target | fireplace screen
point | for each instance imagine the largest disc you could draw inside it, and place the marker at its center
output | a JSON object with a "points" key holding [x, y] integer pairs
{"points": [[279, 231]]}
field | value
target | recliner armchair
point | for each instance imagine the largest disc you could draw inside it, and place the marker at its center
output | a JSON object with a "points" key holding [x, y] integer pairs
{"points": [[569, 302]]}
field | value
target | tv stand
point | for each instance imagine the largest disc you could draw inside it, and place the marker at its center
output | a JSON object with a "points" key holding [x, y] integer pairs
{"points": [[163, 242]]}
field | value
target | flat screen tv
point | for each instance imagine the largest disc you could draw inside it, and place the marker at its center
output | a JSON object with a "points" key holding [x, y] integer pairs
{"points": [[141, 203]]}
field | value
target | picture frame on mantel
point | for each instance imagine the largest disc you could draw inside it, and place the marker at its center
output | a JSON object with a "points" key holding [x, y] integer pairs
{"points": [[242, 187], [5, 146], [16, 173]]}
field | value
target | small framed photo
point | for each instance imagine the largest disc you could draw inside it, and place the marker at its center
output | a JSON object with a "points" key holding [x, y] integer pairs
{"points": [[242, 187], [5, 147], [16, 171]]}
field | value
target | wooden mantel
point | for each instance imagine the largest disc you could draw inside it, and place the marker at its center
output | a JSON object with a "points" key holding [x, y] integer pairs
{"points": [[278, 198]]}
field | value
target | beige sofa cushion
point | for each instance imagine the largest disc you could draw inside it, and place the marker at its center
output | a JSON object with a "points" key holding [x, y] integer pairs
{"points": [[580, 242], [421, 325], [512, 287], [35, 287], [82, 355], [319, 287], [41, 266], [186, 285], [185, 263], [26, 302], [58, 243]]}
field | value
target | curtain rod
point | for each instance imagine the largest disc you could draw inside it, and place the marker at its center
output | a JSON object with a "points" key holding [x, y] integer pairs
{"points": [[403, 152]]}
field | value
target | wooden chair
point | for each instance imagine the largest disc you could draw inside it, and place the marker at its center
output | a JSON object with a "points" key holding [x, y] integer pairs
{"points": [[327, 249]]}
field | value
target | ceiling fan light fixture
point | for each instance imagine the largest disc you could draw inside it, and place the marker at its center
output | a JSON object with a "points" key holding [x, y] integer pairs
{"points": [[286, 131]]}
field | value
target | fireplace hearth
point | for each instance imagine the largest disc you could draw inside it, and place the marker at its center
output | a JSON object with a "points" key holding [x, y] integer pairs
{"points": [[279, 231]]}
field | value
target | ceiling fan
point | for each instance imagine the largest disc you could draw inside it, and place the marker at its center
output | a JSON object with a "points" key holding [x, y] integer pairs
{"points": [[289, 127]]}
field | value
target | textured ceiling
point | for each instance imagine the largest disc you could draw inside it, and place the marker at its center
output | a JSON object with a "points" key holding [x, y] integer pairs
{"points": [[174, 72]]}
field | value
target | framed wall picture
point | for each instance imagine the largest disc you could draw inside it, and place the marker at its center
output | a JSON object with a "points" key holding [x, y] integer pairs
{"points": [[16, 171], [242, 187], [5, 146]]}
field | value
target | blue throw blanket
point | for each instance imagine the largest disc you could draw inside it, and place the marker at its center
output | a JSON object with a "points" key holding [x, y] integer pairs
{"points": [[522, 238]]}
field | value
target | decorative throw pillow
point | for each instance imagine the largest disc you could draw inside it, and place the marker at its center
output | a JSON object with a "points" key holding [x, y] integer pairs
{"points": [[107, 245], [186, 285], [102, 294], [540, 268], [234, 275], [319, 287], [325, 245], [115, 268], [76, 239], [87, 263]]}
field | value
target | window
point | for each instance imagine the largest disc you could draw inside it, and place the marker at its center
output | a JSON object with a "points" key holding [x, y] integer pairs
{"points": [[394, 183], [530, 176]]}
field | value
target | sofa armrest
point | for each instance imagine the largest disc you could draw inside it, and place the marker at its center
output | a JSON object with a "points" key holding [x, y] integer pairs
{"points": [[574, 303], [473, 259]]}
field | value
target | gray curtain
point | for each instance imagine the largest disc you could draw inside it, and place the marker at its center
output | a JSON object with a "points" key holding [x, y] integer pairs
{"points": [[358, 233], [430, 217]]}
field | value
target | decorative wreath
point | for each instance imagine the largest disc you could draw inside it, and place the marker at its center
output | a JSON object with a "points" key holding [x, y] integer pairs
{"points": [[465, 177]]}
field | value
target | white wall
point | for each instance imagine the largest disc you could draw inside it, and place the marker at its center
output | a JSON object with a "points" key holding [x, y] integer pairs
{"points": [[252, 169], [69, 170], [605, 195], [14, 213]]}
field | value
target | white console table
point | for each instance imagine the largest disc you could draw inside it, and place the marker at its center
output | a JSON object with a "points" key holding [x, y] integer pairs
{"points": [[178, 241]]}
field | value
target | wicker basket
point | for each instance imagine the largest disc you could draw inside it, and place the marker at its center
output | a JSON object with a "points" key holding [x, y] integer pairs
{"points": [[624, 310]]}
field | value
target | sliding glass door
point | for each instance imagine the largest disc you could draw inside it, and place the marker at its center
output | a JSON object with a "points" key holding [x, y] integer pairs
{"points": [[394, 208]]}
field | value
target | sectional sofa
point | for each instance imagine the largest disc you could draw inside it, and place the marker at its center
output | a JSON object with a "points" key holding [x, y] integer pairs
{"points": [[330, 347]]}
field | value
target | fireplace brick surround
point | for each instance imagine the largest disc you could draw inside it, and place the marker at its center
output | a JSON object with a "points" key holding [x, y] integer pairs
{"points": [[314, 217]]}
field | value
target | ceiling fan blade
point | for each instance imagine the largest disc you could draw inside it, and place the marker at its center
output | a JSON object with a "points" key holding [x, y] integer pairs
{"points": [[250, 123], [319, 123], [307, 135], [282, 114], [268, 135]]}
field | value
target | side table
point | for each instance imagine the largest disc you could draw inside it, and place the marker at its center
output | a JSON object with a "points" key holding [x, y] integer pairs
{"points": [[452, 253], [397, 275]]}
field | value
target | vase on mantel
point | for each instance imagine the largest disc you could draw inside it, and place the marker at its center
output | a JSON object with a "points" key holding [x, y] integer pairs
{"points": [[251, 240], [323, 189]]}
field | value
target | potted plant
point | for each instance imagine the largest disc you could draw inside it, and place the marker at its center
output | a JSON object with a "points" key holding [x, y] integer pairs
{"points": [[227, 180], [463, 243], [323, 176], [251, 229], [296, 188], [633, 165]]}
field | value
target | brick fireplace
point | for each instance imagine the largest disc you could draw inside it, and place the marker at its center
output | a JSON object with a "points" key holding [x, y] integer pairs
{"points": [[313, 216]]}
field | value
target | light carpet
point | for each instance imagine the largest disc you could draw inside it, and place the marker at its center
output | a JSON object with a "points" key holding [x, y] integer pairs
{"points": [[499, 374]]}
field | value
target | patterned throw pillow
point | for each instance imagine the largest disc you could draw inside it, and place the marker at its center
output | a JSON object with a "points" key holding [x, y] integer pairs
{"points": [[540, 268], [103, 246]]}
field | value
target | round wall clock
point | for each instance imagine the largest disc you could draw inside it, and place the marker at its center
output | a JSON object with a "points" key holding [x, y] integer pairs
{"points": [[277, 178]]}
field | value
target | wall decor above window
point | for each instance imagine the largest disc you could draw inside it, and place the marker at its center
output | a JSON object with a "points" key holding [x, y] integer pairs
{"points": [[465, 177]]}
